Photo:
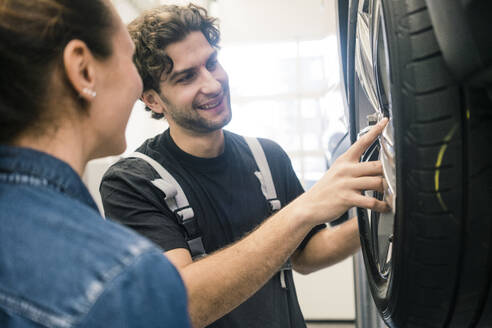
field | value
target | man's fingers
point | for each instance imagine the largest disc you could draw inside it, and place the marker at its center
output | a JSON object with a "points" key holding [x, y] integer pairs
{"points": [[371, 168], [369, 183], [371, 203], [360, 146]]}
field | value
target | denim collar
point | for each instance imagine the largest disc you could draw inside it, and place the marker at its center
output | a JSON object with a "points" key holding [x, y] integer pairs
{"points": [[33, 165]]}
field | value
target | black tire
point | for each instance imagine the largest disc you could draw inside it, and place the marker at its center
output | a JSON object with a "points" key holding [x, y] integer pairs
{"points": [[440, 270]]}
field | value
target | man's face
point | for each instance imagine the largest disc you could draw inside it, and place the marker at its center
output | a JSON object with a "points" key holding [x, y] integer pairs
{"points": [[195, 94]]}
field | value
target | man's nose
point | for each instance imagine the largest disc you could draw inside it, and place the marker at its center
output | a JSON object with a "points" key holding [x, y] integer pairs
{"points": [[211, 84]]}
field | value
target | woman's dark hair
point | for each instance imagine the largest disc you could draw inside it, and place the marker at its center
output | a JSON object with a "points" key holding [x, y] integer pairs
{"points": [[33, 35], [157, 28]]}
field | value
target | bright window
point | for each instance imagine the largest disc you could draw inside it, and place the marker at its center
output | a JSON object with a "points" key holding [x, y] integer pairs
{"points": [[288, 92]]}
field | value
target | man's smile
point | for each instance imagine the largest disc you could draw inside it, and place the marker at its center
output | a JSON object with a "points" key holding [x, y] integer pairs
{"points": [[217, 101]]}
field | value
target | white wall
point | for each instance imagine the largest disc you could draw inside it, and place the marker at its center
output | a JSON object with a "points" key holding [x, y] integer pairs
{"points": [[255, 20], [275, 20], [129, 9], [328, 293]]}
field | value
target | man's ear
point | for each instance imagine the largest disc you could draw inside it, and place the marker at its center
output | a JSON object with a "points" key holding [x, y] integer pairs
{"points": [[152, 100], [79, 68]]}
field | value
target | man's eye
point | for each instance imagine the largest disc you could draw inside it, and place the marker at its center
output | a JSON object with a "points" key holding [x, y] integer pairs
{"points": [[212, 64], [186, 78]]}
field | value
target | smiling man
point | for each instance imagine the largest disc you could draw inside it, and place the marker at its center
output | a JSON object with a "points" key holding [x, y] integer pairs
{"points": [[246, 280], [202, 106]]}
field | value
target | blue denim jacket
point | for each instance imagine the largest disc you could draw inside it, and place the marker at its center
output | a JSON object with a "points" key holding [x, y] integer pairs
{"points": [[62, 265]]}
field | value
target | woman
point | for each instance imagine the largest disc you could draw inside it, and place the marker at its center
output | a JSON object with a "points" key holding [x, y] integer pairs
{"points": [[67, 86]]}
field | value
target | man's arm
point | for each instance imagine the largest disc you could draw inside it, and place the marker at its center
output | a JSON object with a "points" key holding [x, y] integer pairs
{"points": [[223, 280], [327, 247]]}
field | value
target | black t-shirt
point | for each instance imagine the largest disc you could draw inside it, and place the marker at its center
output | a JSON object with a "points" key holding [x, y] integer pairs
{"points": [[227, 201]]}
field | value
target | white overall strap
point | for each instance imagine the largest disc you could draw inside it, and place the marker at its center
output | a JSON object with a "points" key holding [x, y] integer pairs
{"points": [[268, 189], [177, 202], [265, 176]]}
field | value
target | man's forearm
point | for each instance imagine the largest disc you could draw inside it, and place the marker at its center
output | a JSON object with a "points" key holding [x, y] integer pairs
{"points": [[327, 247], [213, 291]]}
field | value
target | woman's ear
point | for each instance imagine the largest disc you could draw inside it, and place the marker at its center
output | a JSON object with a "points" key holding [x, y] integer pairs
{"points": [[79, 68], [152, 100]]}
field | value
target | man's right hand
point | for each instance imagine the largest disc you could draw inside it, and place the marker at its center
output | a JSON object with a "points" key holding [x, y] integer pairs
{"points": [[341, 187]]}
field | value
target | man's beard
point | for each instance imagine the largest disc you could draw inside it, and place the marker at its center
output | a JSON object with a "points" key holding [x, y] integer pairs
{"points": [[191, 120]]}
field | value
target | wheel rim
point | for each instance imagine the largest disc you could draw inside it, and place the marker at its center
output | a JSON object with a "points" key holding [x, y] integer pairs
{"points": [[373, 72]]}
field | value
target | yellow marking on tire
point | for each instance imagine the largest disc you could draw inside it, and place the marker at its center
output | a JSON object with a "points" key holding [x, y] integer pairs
{"points": [[440, 156], [467, 114]]}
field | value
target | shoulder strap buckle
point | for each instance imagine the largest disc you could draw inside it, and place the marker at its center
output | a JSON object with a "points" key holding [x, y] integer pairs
{"points": [[275, 204], [177, 202], [184, 213]]}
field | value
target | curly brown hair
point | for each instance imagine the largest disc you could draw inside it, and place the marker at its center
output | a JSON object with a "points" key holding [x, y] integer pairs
{"points": [[159, 27]]}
